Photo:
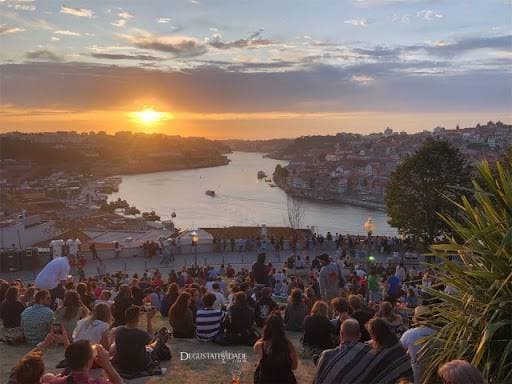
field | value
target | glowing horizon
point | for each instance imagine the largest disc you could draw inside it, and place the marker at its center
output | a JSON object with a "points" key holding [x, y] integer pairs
{"points": [[153, 67]]}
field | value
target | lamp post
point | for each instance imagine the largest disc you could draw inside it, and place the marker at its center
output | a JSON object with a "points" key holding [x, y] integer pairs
{"points": [[195, 238], [402, 246], [369, 227]]}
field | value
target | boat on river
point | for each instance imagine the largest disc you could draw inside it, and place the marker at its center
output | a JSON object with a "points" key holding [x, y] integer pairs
{"points": [[261, 175]]}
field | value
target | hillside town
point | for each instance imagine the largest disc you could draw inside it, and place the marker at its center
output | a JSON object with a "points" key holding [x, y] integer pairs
{"points": [[355, 169], [32, 156]]}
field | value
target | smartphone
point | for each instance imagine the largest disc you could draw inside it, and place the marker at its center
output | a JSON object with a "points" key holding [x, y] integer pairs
{"points": [[57, 328]]}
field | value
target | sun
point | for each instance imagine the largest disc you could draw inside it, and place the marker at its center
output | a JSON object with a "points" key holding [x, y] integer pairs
{"points": [[150, 116]]}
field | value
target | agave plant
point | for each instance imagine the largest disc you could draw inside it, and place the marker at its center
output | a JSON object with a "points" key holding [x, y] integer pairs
{"points": [[475, 321]]}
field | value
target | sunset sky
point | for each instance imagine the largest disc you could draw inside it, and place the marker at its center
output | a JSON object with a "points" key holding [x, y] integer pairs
{"points": [[254, 68]]}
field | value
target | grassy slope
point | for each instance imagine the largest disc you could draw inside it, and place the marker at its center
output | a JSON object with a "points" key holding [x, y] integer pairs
{"points": [[190, 371]]}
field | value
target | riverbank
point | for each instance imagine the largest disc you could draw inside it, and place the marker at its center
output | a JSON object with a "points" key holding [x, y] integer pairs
{"points": [[240, 199], [307, 195], [153, 166]]}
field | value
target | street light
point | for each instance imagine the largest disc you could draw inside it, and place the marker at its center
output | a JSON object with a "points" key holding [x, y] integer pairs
{"points": [[195, 238], [369, 227], [402, 246]]}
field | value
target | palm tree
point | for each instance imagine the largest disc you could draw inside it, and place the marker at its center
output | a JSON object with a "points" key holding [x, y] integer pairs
{"points": [[474, 321]]}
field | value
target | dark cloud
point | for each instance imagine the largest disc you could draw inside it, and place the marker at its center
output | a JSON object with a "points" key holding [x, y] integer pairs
{"points": [[178, 47], [208, 89], [442, 49], [117, 56], [43, 54], [497, 42], [253, 41]]}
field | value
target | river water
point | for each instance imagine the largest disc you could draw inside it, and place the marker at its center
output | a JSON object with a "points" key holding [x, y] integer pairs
{"points": [[241, 199]]}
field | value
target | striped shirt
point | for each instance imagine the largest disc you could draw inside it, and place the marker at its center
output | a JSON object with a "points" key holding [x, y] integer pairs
{"points": [[355, 362], [343, 365], [208, 322]]}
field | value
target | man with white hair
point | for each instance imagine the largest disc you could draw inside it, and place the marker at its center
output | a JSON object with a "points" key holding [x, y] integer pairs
{"points": [[344, 364]]}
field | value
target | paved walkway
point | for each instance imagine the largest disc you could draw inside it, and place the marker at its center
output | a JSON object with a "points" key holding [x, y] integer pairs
{"points": [[238, 260]]}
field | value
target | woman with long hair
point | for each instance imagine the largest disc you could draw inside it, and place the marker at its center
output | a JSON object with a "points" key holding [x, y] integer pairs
{"points": [[71, 311], [296, 311], [122, 302], [394, 321], [28, 297], [95, 327], [318, 329], [85, 296], [168, 300], [277, 355], [239, 321], [390, 362], [11, 308], [181, 317]]}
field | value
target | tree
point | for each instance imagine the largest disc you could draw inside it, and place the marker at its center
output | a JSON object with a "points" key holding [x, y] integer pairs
{"points": [[295, 212], [474, 321], [417, 190]]}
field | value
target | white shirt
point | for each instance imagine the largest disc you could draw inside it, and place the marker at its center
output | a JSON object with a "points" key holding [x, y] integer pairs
{"points": [[56, 246], [409, 340], [209, 285], [74, 247], [90, 331], [219, 301], [53, 273]]}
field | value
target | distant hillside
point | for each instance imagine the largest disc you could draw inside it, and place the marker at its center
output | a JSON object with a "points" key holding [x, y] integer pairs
{"points": [[103, 154], [270, 147]]}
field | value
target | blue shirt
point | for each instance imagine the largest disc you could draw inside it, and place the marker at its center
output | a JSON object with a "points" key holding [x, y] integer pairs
{"points": [[36, 322], [394, 286]]}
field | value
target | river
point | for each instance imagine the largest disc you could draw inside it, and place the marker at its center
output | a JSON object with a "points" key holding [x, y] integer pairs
{"points": [[241, 199]]}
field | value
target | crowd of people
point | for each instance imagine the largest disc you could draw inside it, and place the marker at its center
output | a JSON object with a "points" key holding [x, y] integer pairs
{"points": [[358, 324]]}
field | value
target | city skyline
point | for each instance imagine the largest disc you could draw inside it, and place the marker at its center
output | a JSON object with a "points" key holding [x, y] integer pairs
{"points": [[244, 69]]}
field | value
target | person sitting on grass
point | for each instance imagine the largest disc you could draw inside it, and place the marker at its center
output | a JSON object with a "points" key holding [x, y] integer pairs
{"points": [[277, 355], [239, 322], [390, 362], [71, 311], [30, 368], [80, 356], [132, 346], [37, 319], [296, 311], [318, 329], [122, 302], [342, 312], [344, 364], [208, 319], [95, 327], [11, 309], [181, 317], [264, 306], [169, 299]]}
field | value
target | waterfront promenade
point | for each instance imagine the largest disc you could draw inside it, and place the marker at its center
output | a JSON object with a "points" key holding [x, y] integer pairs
{"points": [[126, 262]]}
